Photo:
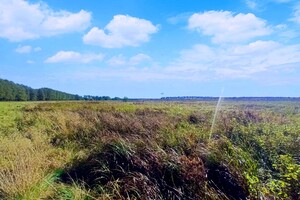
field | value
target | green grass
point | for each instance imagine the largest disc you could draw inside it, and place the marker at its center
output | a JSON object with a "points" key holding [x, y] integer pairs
{"points": [[9, 113], [150, 150]]}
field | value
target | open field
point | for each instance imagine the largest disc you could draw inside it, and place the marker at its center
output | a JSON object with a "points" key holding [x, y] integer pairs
{"points": [[149, 150]]}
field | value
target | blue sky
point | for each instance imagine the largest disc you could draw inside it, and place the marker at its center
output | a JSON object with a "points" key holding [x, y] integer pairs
{"points": [[153, 48]]}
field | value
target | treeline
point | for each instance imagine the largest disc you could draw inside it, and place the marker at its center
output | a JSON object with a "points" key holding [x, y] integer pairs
{"points": [[199, 98], [103, 98], [10, 91]]}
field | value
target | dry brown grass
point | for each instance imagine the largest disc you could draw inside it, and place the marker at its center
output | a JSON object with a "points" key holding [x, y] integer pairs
{"points": [[22, 166], [142, 151], [25, 163]]}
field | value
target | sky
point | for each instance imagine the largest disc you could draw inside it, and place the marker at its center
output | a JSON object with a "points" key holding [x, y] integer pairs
{"points": [[153, 48]]}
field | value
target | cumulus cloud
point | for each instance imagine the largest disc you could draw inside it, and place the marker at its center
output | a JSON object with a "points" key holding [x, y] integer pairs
{"points": [[226, 27], [21, 20], [296, 14], [121, 60], [74, 57], [27, 49], [259, 60], [255, 60], [122, 30], [236, 61]]}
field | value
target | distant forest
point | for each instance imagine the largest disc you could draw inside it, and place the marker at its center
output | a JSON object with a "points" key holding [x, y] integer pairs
{"points": [[201, 98], [10, 91]]}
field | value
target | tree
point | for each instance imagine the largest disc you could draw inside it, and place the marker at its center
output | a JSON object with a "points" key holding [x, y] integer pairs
{"points": [[125, 99], [10, 91], [32, 95], [41, 95]]}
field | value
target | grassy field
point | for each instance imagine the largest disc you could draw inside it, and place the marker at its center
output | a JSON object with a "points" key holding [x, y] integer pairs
{"points": [[149, 150]]}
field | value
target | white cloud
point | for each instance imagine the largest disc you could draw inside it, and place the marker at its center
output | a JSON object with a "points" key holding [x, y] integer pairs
{"points": [[27, 49], [259, 60], [236, 61], [122, 31], [121, 60], [74, 57], [21, 20], [261, 5], [281, 26], [139, 58], [63, 21], [251, 4], [285, 32], [296, 14], [225, 27], [118, 60], [24, 49], [253, 61]]}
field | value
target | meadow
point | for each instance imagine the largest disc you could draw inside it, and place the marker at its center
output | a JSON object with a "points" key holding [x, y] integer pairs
{"points": [[149, 150]]}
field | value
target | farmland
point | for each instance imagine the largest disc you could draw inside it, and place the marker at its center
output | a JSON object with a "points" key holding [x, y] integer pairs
{"points": [[149, 150]]}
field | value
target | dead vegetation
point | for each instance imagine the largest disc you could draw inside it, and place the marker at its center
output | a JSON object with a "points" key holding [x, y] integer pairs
{"points": [[148, 151]]}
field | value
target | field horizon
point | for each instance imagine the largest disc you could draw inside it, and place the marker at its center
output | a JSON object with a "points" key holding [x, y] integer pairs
{"points": [[10, 91]]}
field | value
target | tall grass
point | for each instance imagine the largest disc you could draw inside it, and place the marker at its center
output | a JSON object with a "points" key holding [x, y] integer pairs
{"points": [[114, 150]]}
